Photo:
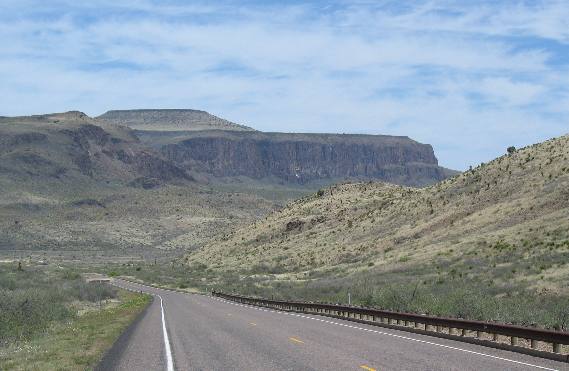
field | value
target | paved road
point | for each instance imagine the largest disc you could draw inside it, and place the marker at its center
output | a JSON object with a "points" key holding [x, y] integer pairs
{"points": [[208, 333]]}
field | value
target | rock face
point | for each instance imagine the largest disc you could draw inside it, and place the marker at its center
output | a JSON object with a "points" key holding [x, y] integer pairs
{"points": [[301, 158], [169, 120]]}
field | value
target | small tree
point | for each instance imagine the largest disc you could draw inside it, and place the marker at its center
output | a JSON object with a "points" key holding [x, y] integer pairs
{"points": [[511, 150]]}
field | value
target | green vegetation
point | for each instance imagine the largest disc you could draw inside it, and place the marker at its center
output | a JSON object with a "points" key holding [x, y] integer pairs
{"points": [[32, 299], [53, 320]]}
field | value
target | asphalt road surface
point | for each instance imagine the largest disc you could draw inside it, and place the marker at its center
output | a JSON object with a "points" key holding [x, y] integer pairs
{"points": [[206, 333]]}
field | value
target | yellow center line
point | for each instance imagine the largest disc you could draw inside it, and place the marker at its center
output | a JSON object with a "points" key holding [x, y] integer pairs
{"points": [[368, 368], [296, 340]]}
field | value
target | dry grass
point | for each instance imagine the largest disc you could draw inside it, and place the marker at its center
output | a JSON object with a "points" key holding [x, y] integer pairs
{"points": [[503, 223]]}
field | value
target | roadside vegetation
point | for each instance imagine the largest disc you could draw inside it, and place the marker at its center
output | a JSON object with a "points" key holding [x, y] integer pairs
{"points": [[51, 319], [416, 290]]}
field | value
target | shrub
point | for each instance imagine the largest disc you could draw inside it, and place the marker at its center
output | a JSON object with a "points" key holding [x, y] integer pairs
{"points": [[29, 311], [31, 300]]}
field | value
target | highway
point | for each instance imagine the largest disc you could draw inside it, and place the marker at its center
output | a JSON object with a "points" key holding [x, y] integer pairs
{"points": [[206, 333]]}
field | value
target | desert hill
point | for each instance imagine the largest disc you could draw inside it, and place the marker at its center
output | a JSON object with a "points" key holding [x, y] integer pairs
{"points": [[502, 223], [71, 145], [72, 182]]}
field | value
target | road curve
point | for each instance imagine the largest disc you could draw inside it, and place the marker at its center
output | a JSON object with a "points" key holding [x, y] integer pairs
{"points": [[208, 333]]}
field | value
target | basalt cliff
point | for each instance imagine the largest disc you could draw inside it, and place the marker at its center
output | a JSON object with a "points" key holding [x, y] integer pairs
{"points": [[300, 158]]}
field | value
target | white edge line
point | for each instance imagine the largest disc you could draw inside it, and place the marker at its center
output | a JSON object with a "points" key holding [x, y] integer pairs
{"points": [[169, 361]]}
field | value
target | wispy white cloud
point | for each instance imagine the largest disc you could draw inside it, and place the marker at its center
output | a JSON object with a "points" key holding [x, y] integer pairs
{"points": [[468, 79]]}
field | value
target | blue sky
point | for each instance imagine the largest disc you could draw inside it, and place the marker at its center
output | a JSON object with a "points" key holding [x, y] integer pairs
{"points": [[468, 77]]}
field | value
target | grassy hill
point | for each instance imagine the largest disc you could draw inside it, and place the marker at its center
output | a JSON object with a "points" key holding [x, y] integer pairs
{"points": [[500, 230]]}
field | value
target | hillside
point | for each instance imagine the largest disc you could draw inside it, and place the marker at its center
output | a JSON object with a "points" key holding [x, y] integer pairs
{"points": [[71, 145], [169, 120], [71, 182], [504, 225], [297, 158]]}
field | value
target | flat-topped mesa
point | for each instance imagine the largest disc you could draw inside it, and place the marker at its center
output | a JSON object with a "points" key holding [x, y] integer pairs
{"points": [[301, 158], [170, 120]]}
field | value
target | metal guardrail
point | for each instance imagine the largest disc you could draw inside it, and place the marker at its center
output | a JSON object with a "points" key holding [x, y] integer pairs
{"points": [[457, 328]]}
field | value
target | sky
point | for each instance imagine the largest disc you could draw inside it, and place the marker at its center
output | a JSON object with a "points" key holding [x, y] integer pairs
{"points": [[469, 77]]}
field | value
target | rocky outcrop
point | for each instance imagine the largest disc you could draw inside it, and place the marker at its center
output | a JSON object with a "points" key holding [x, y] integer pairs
{"points": [[302, 158]]}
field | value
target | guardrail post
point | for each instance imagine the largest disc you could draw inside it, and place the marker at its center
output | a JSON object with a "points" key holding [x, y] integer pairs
{"points": [[556, 348], [478, 334], [451, 331], [463, 332], [533, 343], [513, 341], [438, 328], [494, 337]]}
